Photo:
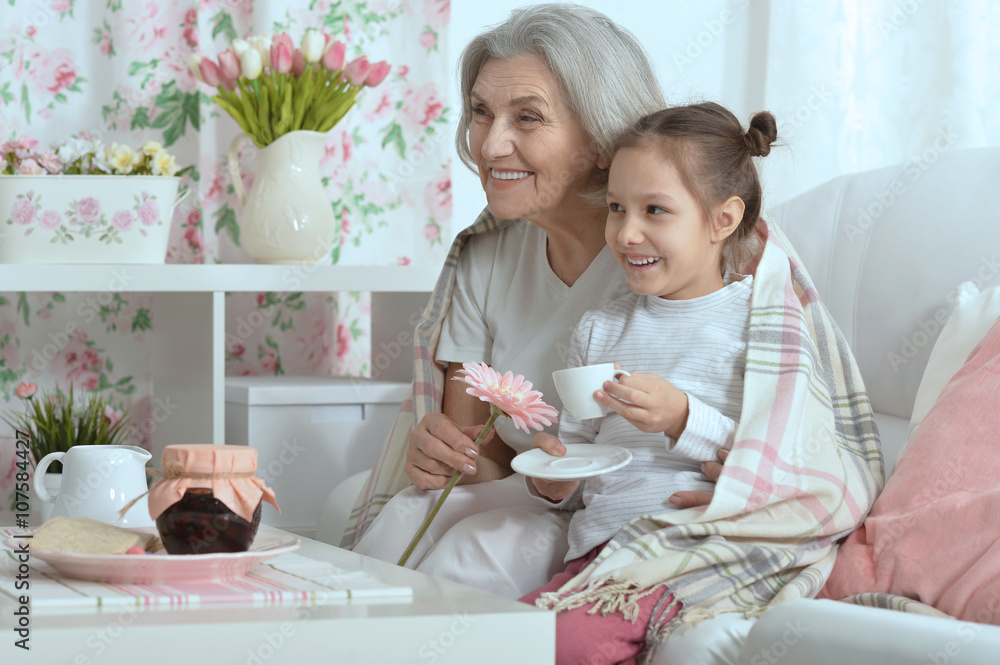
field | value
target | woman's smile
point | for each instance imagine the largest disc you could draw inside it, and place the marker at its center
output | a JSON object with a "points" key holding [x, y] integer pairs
{"points": [[507, 178]]}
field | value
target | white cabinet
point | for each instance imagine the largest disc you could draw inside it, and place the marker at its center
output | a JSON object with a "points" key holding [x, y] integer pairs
{"points": [[189, 322], [311, 433]]}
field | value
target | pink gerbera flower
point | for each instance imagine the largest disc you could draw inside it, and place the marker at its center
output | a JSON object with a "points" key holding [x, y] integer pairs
{"points": [[511, 394], [508, 395]]}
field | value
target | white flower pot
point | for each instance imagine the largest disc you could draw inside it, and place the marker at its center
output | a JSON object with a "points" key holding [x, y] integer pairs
{"points": [[85, 218]]}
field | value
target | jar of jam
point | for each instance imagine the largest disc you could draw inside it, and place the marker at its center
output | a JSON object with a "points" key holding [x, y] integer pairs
{"points": [[209, 499]]}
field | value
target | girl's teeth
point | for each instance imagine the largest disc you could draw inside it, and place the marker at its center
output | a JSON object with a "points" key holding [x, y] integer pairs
{"points": [[643, 262], [509, 175]]}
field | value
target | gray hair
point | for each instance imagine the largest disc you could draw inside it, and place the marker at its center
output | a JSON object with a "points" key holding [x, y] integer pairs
{"points": [[603, 72]]}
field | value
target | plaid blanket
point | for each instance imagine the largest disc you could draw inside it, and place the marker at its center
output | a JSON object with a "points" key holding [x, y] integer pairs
{"points": [[888, 601], [804, 470], [426, 394]]}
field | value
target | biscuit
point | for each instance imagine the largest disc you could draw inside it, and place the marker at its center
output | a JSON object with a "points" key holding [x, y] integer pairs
{"points": [[86, 536]]}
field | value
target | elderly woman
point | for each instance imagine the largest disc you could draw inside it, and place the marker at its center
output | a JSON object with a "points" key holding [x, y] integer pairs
{"points": [[544, 96]]}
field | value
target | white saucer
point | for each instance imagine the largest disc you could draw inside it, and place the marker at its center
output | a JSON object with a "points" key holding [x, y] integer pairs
{"points": [[582, 460]]}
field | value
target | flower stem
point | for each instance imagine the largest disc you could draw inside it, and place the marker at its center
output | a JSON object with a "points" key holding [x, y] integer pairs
{"points": [[494, 413]]}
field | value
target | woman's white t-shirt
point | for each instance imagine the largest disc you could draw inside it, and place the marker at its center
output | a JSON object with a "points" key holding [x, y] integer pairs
{"points": [[511, 311]]}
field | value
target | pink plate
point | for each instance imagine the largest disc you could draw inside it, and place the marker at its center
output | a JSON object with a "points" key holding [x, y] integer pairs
{"points": [[163, 568]]}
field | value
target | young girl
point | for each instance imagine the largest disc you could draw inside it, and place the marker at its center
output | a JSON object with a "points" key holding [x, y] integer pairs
{"points": [[683, 200]]}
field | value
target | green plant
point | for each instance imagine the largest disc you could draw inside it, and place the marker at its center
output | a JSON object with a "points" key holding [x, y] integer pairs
{"points": [[56, 421]]}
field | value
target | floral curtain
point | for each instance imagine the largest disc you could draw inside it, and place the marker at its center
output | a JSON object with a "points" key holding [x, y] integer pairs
{"points": [[118, 71]]}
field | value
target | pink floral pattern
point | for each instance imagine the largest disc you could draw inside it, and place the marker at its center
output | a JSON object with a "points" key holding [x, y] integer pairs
{"points": [[122, 220], [149, 214], [52, 71], [24, 210], [437, 12], [50, 220], [343, 341], [78, 364], [438, 196], [421, 107], [88, 210], [83, 218]]}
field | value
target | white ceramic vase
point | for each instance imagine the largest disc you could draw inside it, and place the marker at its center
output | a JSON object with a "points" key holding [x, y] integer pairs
{"points": [[287, 217]]}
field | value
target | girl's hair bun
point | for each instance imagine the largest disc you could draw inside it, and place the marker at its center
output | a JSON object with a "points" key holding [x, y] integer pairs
{"points": [[762, 133]]}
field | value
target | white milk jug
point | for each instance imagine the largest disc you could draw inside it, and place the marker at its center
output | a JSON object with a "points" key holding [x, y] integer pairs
{"points": [[97, 482]]}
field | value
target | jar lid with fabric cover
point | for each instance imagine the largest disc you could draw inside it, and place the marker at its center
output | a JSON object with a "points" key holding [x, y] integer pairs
{"points": [[208, 498]]}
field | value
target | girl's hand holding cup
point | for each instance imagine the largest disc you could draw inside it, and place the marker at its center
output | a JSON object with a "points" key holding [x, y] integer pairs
{"points": [[648, 401]]}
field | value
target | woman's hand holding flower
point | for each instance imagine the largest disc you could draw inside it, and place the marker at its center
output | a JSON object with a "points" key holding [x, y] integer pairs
{"points": [[438, 448], [508, 395]]}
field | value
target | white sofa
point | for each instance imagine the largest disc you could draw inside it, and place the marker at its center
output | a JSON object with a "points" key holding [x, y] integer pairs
{"points": [[887, 250]]}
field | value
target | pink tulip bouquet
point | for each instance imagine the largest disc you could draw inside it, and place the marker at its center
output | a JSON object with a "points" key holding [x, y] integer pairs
{"points": [[272, 87], [508, 395]]}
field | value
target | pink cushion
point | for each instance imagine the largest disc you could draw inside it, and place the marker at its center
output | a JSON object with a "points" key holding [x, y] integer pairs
{"points": [[934, 533]]}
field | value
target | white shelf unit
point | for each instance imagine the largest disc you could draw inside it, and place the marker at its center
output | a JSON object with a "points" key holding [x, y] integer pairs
{"points": [[189, 321]]}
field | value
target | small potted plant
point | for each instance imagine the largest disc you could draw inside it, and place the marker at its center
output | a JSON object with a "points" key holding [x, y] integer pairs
{"points": [[56, 421], [82, 202]]}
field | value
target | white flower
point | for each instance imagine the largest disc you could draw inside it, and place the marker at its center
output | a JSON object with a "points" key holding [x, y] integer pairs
{"points": [[99, 161], [163, 163], [251, 64], [195, 69], [151, 148], [240, 46], [95, 147], [262, 45], [121, 158], [312, 45], [67, 154], [71, 149]]}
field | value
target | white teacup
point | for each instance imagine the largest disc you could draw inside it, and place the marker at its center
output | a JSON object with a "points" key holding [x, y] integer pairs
{"points": [[576, 387]]}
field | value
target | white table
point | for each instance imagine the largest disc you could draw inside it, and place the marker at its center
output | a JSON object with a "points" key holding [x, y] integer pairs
{"points": [[444, 623]]}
